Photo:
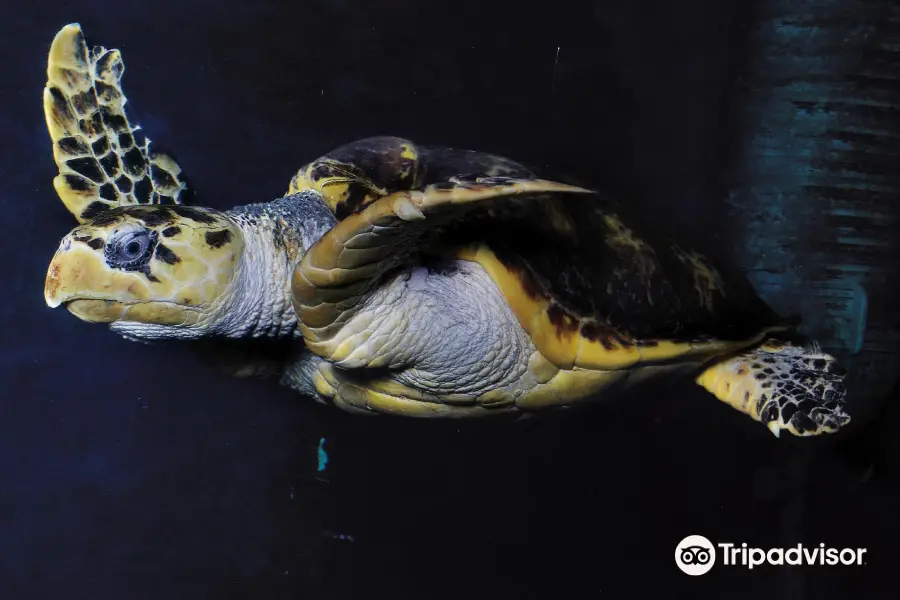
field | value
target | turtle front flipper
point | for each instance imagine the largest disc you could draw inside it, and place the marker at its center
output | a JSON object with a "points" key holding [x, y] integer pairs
{"points": [[784, 386], [104, 161], [337, 274]]}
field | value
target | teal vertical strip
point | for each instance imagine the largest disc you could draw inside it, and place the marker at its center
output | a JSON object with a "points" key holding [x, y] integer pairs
{"points": [[815, 193], [322, 455]]}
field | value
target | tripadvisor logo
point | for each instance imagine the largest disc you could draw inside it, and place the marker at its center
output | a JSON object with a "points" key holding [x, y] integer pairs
{"points": [[696, 555]]}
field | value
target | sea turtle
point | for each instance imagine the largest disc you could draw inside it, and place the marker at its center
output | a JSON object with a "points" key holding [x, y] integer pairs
{"points": [[415, 281]]}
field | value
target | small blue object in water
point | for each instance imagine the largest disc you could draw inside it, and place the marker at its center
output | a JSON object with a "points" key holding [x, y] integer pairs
{"points": [[323, 456]]}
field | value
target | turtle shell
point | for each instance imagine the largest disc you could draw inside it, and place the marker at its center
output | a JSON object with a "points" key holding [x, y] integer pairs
{"points": [[598, 286], [595, 285]]}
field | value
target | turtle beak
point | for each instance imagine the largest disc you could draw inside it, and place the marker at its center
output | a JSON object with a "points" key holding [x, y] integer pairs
{"points": [[66, 272], [72, 270], [76, 277]]}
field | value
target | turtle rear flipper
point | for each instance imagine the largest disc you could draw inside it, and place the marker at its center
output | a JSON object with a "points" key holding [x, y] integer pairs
{"points": [[784, 386], [104, 161]]}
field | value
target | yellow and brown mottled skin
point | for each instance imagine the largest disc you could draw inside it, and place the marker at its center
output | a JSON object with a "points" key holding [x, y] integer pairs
{"points": [[188, 264], [571, 294], [104, 161]]}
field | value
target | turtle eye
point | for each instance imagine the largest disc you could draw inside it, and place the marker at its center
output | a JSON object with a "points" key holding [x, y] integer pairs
{"points": [[129, 249]]}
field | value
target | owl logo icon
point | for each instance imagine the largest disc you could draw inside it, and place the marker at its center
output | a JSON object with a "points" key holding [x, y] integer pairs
{"points": [[695, 555]]}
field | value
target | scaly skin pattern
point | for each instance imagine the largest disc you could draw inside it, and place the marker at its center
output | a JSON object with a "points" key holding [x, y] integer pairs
{"points": [[277, 234], [446, 334]]}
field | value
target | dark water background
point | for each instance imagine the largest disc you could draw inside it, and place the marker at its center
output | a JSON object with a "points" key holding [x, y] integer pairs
{"points": [[131, 471]]}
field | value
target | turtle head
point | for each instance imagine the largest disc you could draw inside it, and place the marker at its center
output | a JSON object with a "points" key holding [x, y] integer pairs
{"points": [[149, 271]]}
